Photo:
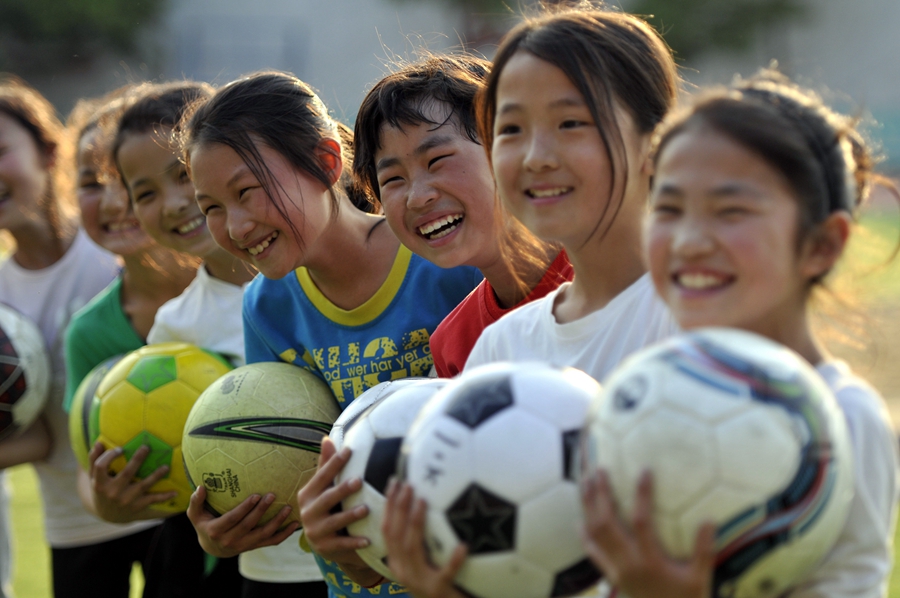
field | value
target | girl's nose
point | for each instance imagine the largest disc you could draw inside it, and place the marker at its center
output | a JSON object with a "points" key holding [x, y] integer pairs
{"points": [[421, 193], [115, 199], [176, 203], [541, 153], [692, 237]]}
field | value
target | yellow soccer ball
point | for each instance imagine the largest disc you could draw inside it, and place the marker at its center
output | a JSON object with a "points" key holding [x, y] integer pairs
{"points": [[145, 400], [80, 412]]}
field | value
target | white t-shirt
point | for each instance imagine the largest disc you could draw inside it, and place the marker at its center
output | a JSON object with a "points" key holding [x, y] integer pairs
{"points": [[208, 314], [596, 343], [859, 565], [50, 297]]}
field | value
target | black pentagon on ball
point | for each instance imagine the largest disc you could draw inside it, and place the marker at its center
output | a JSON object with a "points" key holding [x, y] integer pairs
{"points": [[570, 442], [483, 521], [576, 579], [477, 401], [382, 463]]}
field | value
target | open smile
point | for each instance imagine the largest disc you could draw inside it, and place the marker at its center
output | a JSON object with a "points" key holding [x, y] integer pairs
{"points": [[190, 226], [701, 281], [441, 227], [262, 245]]}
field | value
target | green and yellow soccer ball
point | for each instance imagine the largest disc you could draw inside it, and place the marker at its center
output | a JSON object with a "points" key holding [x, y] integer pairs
{"points": [[258, 430], [80, 411], [144, 400]]}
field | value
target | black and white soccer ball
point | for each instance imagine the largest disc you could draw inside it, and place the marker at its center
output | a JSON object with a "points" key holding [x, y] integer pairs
{"points": [[494, 457], [737, 430], [373, 426]]}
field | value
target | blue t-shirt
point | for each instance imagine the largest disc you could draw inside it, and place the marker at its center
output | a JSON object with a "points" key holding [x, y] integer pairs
{"points": [[383, 339]]}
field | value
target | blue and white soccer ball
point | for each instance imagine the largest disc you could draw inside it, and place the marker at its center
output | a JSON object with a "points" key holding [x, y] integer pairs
{"points": [[373, 426], [494, 457], [737, 430]]}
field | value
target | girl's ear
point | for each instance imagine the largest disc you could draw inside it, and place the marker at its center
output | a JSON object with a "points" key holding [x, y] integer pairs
{"points": [[329, 154], [825, 245]]}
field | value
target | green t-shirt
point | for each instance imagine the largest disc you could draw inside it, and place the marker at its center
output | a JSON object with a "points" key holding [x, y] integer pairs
{"points": [[98, 331]]}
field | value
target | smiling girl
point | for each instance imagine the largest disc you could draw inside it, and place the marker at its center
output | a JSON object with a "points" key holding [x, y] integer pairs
{"points": [[338, 294], [567, 112], [754, 192], [419, 153], [54, 270], [570, 160]]}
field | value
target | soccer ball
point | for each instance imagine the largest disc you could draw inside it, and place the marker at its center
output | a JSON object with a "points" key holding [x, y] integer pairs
{"points": [[255, 431], [736, 430], [24, 372], [373, 426], [80, 411], [144, 400], [494, 457]]}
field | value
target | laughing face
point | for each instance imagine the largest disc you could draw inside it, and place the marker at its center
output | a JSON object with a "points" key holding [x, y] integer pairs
{"points": [[162, 194], [437, 191], [721, 237], [106, 213], [246, 222]]}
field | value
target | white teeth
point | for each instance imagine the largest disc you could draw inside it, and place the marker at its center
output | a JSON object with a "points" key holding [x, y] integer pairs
{"points": [[115, 227], [540, 193], [192, 225], [262, 246], [699, 281], [439, 223]]}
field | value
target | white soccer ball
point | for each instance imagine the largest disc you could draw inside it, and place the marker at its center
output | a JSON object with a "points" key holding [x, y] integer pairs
{"points": [[494, 457], [24, 372], [373, 426], [737, 430]]}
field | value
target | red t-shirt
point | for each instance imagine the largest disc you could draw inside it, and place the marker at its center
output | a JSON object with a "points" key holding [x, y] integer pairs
{"points": [[453, 339]]}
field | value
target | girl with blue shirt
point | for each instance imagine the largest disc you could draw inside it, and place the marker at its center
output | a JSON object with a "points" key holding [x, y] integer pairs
{"points": [[338, 295]]}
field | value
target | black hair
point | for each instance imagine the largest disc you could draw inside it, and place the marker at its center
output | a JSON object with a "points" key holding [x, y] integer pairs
{"points": [[283, 113], [406, 97]]}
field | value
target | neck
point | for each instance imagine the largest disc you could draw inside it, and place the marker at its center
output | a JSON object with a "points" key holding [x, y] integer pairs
{"points": [[157, 273], [222, 265], [352, 257], [796, 333], [41, 244], [515, 275], [604, 266]]}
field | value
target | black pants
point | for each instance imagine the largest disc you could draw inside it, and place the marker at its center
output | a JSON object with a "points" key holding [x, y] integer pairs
{"points": [[309, 589], [174, 566], [100, 570]]}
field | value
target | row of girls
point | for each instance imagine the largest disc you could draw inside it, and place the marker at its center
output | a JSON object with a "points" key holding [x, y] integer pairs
{"points": [[466, 192]]}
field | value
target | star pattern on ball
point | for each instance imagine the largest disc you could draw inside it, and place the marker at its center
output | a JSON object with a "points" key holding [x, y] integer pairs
{"points": [[483, 521]]}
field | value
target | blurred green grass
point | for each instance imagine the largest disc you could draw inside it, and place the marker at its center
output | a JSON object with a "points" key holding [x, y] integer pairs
{"points": [[31, 555]]}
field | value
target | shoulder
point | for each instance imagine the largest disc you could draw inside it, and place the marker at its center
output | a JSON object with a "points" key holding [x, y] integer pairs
{"points": [[99, 308], [262, 290], [862, 405]]}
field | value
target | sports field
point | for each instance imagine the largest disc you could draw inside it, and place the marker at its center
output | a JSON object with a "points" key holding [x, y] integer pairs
{"points": [[861, 324]]}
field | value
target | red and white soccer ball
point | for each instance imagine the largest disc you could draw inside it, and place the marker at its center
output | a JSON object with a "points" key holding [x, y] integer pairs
{"points": [[24, 372]]}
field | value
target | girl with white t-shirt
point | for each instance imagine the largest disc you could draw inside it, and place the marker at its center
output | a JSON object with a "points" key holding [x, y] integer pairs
{"points": [[568, 111], [54, 270], [753, 195], [570, 160]]}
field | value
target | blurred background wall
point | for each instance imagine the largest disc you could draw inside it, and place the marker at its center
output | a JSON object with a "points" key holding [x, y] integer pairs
{"points": [[849, 51]]}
